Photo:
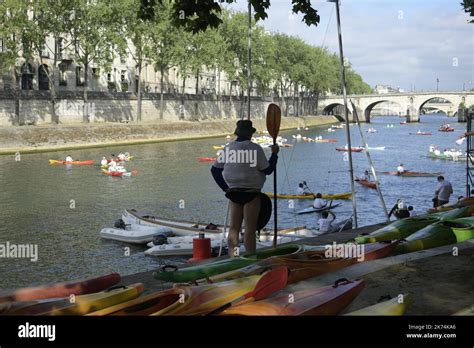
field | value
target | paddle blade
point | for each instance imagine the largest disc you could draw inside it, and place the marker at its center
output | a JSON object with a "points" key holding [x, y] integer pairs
{"points": [[273, 120], [271, 282]]}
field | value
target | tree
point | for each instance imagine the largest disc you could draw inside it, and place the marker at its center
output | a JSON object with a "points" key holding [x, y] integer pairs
{"points": [[196, 16], [95, 32], [468, 6]]}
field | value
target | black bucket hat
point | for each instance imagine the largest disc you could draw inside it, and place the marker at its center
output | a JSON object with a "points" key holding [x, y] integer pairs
{"points": [[244, 129]]}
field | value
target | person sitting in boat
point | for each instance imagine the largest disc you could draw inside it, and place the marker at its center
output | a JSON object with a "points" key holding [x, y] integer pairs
{"points": [[121, 157], [68, 158], [301, 190], [399, 210], [325, 222], [104, 161], [319, 202], [112, 166], [243, 181], [432, 148], [400, 169], [366, 176]]}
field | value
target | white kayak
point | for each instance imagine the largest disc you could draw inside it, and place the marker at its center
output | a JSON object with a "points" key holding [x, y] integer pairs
{"points": [[378, 148], [318, 210], [178, 227], [136, 234]]}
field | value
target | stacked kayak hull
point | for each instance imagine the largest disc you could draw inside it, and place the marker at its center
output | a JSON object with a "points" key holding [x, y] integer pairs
{"points": [[463, 229], [344, 195], [310, 264], [57, 290], [82, 304], [193, 273], [327, 300], [401, 229], [393, 307]]}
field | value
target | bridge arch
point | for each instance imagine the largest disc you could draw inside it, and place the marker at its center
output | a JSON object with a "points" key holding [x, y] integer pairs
{"points": [[337, 110], [449, 104], [370, 107]]}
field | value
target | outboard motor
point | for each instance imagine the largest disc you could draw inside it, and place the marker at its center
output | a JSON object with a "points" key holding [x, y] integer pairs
{"points": [[120, 224], [160, 240]]}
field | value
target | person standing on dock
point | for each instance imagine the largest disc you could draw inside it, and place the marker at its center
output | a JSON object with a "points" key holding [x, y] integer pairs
{"points": [[242, 180], [443, 192]]}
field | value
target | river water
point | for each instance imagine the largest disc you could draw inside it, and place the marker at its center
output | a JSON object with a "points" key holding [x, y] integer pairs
{"points": [[62, 209]]}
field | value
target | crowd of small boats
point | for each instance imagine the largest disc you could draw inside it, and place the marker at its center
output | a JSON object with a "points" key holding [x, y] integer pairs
{"points": [[113, 166]]}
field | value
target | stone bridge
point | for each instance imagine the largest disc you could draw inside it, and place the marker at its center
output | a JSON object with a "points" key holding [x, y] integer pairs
{"points": [[410, 103]]}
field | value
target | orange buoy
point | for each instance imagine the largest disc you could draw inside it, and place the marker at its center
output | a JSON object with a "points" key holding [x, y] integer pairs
{"points": [[201, 248]]}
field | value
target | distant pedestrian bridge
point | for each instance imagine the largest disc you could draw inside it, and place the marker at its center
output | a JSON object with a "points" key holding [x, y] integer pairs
{"points": [[411, 105]]}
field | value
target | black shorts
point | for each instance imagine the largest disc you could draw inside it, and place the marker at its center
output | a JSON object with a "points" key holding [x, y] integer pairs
{"points": [[241, 197]]}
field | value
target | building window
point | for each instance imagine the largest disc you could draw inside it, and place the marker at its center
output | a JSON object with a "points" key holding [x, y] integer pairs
{"points": [[45, 52], [79, 76], [62, 74], [96, 72], [43, 79], [26, 76], [59, 48]]}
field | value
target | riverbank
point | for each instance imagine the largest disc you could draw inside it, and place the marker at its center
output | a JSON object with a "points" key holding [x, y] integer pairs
{"points": [[47, 138]]}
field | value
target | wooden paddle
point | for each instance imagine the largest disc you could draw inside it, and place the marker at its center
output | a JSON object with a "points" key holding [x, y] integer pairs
{"points": [[272, 281], [273, 128]]}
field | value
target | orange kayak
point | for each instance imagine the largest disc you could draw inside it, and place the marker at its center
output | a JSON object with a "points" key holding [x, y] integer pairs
{"points": [[206, 159], [366, 183], [327, 300], [310, 264], [81, 163], [79, 287]]}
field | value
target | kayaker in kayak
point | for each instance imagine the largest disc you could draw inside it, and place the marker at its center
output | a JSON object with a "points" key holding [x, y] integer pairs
{"points": [[103, 162], [242, 180], [112, 166], [400, 169], [366, 176], [319, 202], [121, 157], [69, 158], [443, 192], [327, 218], [399, 210], [302, 191]]}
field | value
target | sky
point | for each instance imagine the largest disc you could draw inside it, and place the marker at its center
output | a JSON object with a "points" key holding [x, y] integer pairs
{"points": [[401, 43]]}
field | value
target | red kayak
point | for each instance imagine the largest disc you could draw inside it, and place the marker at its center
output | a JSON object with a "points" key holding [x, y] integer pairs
{"points": [[366, 183], [326, 300], [83, 163], [446, 129], [133, 172], [413, 174], [353, 149], [207, 159], [80, 287]]}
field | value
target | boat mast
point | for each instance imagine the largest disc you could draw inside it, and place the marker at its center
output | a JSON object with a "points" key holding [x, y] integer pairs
{"points": [[249, 57], [346, 112]]}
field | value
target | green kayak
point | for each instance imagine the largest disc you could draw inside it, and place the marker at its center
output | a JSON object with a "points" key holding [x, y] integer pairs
{"points": [[401, 229], [446, 157], [174, 274], [463, 229], [435, 235]]}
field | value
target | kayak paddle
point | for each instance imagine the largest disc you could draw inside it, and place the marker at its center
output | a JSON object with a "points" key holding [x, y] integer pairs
{"points": [[273, 128], [272, 281]]}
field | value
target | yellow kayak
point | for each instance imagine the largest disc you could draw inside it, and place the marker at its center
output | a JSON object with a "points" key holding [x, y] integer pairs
{"points": [[220, 147], [344, 195], [79, 305], [388, 308]]}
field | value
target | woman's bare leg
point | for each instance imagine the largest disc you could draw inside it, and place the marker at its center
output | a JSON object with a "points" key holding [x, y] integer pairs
{"points": [[236, 216], [251, 212]]}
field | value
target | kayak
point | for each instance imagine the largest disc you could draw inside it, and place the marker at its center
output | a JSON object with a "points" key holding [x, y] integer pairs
{"points": [[391, 307], [369, 184], [120, 174], [463, 202], [79, 287], [412, 174], [378, 148], [318, 210], [422, 133], [136, 234], [353, 149], [344, 195], [401, 229], [432, 236], [463, 229], [81, 163], [206, 159], [325, 140], [171, 273], [81, 305], [218, 147], [177, 249], [326, 300], [311, 263], [335, 227], [446, 157], [446, 129], [179, 227]]}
